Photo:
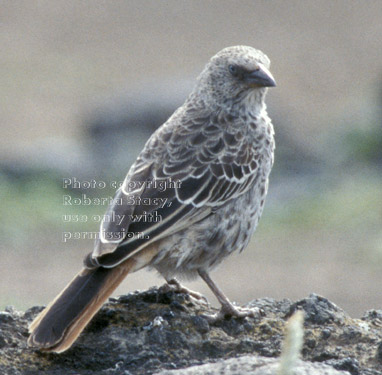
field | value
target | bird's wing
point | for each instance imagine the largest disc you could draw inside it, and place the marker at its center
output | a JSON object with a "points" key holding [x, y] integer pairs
{"points": [[180, 178]]}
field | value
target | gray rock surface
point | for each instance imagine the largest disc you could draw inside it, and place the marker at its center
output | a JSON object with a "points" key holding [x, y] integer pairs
{"points": [[153, 332], [254, 366]]}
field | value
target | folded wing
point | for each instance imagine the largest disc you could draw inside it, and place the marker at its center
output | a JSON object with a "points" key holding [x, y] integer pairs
{"points": [[181, 177]]}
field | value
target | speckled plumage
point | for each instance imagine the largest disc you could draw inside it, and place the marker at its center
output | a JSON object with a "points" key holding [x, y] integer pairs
{"points": [[218, 147], [237, 181]]}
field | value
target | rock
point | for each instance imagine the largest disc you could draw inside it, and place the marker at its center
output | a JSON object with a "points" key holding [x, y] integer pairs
{"points": [[154, 332], [253, 366]]}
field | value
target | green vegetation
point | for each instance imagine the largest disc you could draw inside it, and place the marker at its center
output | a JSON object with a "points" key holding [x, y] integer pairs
{"points": [[34, 205]]}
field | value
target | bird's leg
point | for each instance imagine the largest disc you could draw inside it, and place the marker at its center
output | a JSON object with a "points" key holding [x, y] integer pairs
{"points": [[174, 285], [227, 309]]}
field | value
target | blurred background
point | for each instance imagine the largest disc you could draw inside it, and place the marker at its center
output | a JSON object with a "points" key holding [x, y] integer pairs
{"points": [[84, 83]]}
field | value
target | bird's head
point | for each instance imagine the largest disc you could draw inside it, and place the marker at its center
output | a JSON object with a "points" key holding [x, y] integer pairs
{"points": [[233, 74]]}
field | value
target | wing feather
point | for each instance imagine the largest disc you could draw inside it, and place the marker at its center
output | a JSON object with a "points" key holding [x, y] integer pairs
{"points": [[201, 163]]}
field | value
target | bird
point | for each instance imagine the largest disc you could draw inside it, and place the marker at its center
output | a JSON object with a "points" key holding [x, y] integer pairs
{"points": [[204, 173]]}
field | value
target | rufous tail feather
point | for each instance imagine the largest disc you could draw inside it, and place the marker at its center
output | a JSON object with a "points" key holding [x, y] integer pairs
{"points": [[62, 321]]}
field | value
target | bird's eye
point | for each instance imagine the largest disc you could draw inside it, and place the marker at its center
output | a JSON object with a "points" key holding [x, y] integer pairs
{"points": [[233, 69]]}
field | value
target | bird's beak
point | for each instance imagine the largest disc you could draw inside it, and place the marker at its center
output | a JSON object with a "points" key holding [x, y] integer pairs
{"points": [[260, 77]]}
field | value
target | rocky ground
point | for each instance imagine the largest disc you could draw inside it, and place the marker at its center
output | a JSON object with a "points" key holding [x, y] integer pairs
{"points": [[157, 332]]}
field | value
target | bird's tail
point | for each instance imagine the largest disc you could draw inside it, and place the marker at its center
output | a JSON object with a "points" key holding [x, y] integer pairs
{"points": [[62, 321]]}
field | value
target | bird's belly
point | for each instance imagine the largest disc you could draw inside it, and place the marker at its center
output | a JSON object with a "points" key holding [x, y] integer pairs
{"points": [[206, 243]]}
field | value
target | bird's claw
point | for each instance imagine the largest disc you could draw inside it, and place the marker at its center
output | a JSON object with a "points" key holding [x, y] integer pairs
{"points": [[174, 285]]}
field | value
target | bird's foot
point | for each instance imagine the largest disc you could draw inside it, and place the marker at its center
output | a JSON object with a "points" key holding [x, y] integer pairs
{"points": [[229, 310], [174, 285]]}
